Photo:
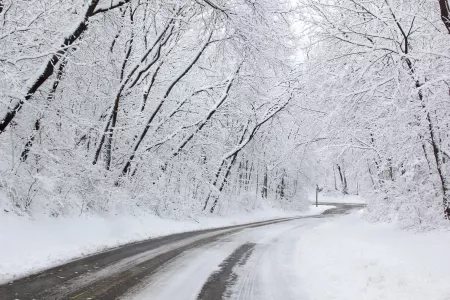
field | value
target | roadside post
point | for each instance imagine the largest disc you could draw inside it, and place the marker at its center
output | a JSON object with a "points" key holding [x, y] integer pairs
{"points": [[318, 190]]}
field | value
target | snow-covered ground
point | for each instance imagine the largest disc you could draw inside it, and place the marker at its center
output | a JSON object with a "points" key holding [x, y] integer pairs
{"points": [[29, 246], [350, 259]]}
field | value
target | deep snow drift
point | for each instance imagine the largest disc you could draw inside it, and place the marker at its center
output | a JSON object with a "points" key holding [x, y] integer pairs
{"points": [[349, 258], [29, 246]]}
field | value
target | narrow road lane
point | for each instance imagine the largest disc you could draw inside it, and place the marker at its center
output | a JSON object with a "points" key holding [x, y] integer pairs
{"points": [[208, 264]]}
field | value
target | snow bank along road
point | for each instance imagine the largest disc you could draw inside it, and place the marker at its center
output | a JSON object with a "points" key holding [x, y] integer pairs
{"points": [[239, 262]]}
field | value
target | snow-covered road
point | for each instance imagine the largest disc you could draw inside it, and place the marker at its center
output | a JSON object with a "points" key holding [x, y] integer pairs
{"points": [[334, 256], [241, 262], [254, 263]]}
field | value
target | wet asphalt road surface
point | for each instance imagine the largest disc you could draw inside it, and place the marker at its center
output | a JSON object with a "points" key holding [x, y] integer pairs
{"points": [[111, 274]]}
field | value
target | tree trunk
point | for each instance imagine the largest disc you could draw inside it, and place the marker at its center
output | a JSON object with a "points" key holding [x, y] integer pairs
{"points": [[370, 173], [343, 180], [440, 168], [222, 164], [265, 182], [282, 186], [155, 112], [29, 144], [41, 76], [437, 154], [111, 121], [445, 13], [211, 112], [233, 160], [335, 182], [37, 123]]}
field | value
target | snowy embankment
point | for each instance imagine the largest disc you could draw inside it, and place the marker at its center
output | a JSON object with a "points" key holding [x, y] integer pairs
{"points": [[349, 258], [29, 246]]}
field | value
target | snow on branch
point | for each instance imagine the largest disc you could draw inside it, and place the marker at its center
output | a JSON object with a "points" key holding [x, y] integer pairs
{"points": [[109, 6], [270, 113], [47, 68], [211, 112]]}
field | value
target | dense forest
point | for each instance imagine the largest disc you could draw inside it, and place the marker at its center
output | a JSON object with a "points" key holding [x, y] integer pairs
{"points": [[207, 106]]}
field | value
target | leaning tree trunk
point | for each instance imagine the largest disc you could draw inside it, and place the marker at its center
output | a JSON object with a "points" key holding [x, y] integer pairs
{"points": [[115, 110], [43, 73], [445, 13], [46, 70], [141, 137], [205, 120], [437, 153], [111, 121], [225, 180], [37, 123], [29, 144], [219, 171]]}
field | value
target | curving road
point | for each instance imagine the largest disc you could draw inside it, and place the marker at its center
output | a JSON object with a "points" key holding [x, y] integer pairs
{"points": [[252, 261]]}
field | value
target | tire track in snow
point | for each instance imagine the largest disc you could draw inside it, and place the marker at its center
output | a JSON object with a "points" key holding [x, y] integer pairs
{"points": [[185, 276], [268, 273], [217, 283]]}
